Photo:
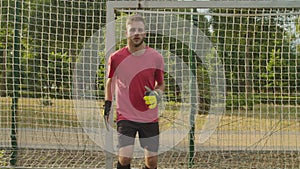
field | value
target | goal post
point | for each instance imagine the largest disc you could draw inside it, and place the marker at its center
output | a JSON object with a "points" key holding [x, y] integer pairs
{"points": [[255, 10]]}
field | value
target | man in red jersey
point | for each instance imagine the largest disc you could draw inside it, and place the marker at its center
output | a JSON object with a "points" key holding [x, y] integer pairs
{"points": [[137, 74]]}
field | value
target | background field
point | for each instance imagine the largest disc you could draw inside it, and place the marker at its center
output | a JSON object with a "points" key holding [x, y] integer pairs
{"points": [[241, 139]]}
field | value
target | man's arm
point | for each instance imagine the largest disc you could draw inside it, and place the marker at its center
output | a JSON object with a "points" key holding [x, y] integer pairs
{"points": [[160, 87], [108, 101], [108, 89]]}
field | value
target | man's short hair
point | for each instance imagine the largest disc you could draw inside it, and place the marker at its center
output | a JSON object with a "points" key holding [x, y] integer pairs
{"points": [[135, 18]]}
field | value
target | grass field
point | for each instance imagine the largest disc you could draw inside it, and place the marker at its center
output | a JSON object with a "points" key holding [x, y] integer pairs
{"points": [[31, 158], [31, 111], [273, 127]]}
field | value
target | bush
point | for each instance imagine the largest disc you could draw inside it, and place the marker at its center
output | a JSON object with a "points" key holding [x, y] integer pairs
{"points": [[236, 101]]}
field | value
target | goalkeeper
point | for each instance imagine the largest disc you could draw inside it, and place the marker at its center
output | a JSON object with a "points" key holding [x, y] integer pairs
{"points": [[135, 72]]}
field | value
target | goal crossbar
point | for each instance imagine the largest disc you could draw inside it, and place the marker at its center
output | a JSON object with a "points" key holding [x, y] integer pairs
{"points": [[201, 4], [111, 6]]}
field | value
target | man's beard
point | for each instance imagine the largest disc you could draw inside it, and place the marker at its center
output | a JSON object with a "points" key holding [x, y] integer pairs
{"points": [[139, 44]]}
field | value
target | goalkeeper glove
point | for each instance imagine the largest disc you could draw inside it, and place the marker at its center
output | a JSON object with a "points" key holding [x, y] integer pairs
{"points": [[107, 107], [152, 97]]}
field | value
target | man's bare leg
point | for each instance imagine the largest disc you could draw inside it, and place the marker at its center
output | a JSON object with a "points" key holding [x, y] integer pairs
{"points": [[151, 160], [125, 157]]}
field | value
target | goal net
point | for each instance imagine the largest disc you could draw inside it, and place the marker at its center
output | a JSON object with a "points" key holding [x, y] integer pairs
{"points": [[231, 74]]}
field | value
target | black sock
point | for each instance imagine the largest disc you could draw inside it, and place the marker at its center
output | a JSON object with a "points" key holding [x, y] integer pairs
{"points": [[119, 166]]}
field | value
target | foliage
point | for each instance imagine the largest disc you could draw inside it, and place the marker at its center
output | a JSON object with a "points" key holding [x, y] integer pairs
{"points": [[2, 160], [51, 38], [248, 44], [259, 53], [276, 74], [239, 101]]}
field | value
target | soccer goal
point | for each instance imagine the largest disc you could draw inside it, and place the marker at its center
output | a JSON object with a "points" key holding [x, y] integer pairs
{"points": [[231, 74]]}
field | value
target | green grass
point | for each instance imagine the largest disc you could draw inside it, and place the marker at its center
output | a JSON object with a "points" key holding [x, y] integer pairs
{"points": [[263, 117], [2, 160], [33, 113]]}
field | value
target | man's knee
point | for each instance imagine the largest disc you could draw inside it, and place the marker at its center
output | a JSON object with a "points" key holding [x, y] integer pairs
{"points": [[124, 160], [123, 163], [151, 162]]}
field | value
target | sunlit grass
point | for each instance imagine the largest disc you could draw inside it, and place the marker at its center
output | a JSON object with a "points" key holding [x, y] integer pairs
{"points": [[263, 117], [32, 113], [62, 113]]}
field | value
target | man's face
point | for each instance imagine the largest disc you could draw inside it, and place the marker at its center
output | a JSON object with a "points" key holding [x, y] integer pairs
{"points": [[136, 33]]}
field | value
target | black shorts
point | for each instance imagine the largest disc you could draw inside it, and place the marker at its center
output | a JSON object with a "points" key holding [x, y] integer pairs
{"points": [[148, 134]]}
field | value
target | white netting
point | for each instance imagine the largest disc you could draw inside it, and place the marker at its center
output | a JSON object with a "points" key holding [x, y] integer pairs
{"points": [[231, 72]]}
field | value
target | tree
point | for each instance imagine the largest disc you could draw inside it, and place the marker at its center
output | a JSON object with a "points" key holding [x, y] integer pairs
{"points": [[248, 39], [51, 30]]}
